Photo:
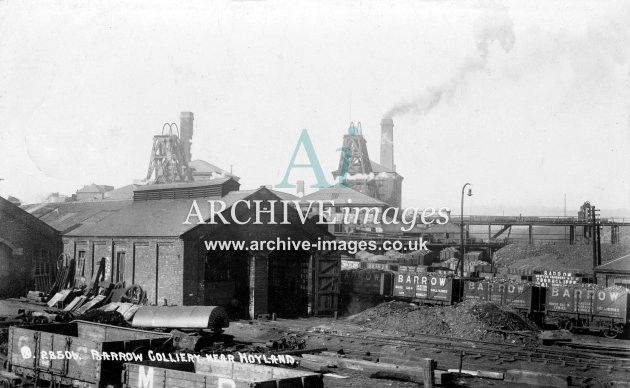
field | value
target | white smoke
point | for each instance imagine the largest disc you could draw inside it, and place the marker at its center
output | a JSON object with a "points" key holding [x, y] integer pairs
{"points": [[359, 177], [493, 25]]}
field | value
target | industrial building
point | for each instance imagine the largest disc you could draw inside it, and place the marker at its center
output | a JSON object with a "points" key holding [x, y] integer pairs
{"points": [[93, 192], [140, 233], [614, 273], [28, 249], [377, 180]]}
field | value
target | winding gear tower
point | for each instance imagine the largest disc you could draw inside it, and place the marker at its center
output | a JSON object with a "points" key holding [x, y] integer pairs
{"points": [[355, 167], [168, 163]]}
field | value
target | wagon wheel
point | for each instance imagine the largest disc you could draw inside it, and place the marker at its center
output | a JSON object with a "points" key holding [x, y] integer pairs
{"points": [[133, 294], [570, 326], [611, 333]]}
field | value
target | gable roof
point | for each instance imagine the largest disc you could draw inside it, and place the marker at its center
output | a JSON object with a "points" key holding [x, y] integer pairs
{"points": [[12, 210], [66, 216], [124, 192], [307, 228], [201, 167], [377, 167], [342, 196], [127, 218], [94, 188], [620, 265]]}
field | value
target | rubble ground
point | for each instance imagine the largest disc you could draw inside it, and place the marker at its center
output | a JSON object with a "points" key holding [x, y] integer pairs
{"points": [[555, 256], [484, 321]]}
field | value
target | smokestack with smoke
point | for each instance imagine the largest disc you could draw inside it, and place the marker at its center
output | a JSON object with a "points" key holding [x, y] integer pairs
{"points": [[494, 25], [300, 188], [387, 143]]}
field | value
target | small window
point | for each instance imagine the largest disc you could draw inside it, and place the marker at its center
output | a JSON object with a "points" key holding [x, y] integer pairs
{"points": [[81, 263], [120, 267], [338, 228]]}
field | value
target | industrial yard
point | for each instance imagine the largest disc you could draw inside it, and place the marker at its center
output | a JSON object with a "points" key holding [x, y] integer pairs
{"points": [[149, 299], [294, 194]]}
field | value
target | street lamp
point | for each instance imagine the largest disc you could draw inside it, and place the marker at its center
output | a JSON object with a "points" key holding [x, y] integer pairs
{"points": [[461, 225]]}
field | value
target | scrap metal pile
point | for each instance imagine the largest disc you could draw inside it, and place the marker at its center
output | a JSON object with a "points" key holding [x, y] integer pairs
{"points": [[70, 299]]}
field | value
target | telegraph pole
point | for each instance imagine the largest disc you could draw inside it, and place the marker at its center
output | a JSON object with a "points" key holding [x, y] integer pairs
{"points": [[597, 243]]}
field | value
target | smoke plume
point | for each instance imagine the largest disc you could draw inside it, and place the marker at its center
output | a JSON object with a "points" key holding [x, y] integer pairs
{"points": [[493, 25]]}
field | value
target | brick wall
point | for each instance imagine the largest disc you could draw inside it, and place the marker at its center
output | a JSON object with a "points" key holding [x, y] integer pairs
{"points": [[23, 240], [156, 264], [194, 273], [258, 285]]}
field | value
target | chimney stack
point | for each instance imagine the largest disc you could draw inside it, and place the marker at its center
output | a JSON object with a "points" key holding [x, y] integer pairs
{"points": [[387, 143], [186, 132], [300, 188]]}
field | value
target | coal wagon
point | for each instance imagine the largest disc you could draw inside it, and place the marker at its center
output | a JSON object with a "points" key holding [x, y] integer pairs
{"points": [[601, 310], [427, 288], [211, 374], [364, 288], [78, 354]]}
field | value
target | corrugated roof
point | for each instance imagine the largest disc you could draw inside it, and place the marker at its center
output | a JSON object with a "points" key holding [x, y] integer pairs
{"points": [[66, 216], [340, 195], [620, 265], [159, 218], [162, 218]]}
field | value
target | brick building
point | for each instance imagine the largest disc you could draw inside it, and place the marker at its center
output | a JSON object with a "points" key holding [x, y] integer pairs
{"points": [[614, 273], [93, 192], [28, 249], [145, 241]]}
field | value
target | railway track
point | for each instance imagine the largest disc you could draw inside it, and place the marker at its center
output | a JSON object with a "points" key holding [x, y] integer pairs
{"points": [[582, 359]]}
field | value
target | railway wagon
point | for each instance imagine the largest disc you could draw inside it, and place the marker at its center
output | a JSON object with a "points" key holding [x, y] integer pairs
{"points": [[71, 353], [367, 282], [603, 310], [212, 374], [427, 288], [364, 288], [526, 298]]}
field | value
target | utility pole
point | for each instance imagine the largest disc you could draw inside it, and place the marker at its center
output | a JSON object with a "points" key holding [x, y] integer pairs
{"points": [[597, 243], [460, 263]]}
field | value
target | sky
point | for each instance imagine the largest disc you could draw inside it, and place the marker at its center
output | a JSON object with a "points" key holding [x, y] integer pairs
{"points": [[527, 100]]}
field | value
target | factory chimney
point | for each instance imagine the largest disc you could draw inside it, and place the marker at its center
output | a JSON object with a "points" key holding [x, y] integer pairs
{"points": [[387, 143], [300, 188], [186, 132]]}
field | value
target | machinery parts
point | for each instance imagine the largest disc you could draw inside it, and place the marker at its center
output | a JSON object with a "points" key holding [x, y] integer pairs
{"points": [[287, 342]]}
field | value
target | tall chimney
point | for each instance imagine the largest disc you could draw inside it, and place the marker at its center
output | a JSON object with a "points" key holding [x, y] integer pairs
{"points": [[387, 143], [186, 132], [300, 188]]}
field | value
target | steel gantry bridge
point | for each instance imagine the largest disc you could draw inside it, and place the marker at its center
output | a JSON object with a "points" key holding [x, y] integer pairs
{"points": [[573, 223]]}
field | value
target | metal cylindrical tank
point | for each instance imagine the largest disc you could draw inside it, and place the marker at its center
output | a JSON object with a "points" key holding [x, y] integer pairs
{"points": [[181, 317]]}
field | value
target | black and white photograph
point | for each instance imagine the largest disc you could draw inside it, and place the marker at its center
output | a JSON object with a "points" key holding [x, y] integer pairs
{"points": [[308, 194]]}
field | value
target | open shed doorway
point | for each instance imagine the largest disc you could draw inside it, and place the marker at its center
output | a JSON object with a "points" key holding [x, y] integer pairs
{"points": [[227, 281], [288, 283]]}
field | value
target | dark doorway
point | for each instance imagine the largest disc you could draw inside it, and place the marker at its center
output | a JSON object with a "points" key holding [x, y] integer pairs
{"points": [[288, 283], [227, 281]]}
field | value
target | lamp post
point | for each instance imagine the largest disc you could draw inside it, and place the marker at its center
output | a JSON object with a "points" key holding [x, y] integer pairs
{"points": [[461, 225]]}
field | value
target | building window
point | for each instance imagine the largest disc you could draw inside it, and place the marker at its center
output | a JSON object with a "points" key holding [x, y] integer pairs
{"points": [[120, 267], [81, 264], [338, 228]]}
